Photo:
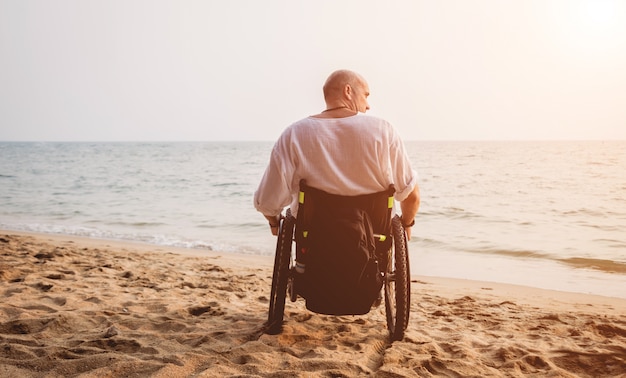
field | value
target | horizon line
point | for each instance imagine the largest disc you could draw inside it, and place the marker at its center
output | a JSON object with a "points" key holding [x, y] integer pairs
{"points": [[273, 140]]}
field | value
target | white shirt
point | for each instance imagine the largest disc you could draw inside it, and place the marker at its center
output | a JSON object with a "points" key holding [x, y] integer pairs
{"points": [[348, 156]]}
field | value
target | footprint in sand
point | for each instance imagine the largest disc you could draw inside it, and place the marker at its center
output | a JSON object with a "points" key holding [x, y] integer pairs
{"points": [[24, 326], [303, 317], [212, 309], [43, 286]]}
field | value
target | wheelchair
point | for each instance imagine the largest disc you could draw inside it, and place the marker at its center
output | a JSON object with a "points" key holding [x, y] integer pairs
{"points": [[386, 273]]}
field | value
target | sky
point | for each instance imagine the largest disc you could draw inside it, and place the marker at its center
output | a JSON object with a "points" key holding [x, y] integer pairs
{"points": [[155, 70]]}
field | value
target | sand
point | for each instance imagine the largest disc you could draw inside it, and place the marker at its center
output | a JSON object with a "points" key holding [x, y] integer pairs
{"points": [[72, 307]]}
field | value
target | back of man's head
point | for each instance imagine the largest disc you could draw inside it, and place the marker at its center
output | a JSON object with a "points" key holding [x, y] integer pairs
{"points": [[337, 81]]}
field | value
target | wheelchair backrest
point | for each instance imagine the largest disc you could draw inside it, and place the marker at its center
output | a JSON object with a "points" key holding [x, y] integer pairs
{"points": [[314, 202]]}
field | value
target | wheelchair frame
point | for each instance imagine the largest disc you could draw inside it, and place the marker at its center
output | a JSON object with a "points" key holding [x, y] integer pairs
{"points": [[396, 278]]}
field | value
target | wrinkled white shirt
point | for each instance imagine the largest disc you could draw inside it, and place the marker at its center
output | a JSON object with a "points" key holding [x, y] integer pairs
{"points": [[348, 156]]}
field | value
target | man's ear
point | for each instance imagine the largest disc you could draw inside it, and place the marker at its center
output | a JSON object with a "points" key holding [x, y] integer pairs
{"points": [[347, 91]]}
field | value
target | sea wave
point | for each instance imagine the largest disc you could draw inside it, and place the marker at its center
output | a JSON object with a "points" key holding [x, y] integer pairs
{"points": [[604, 265], [608, 266]]}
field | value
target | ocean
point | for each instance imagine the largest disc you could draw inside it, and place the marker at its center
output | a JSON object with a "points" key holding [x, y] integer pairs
{"points": [[543, 214]]}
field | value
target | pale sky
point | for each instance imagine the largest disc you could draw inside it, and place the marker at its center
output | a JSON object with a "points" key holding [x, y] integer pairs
{"points": [[127, 70]]}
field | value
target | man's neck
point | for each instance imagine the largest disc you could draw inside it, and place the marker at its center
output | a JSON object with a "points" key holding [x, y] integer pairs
{"points": [[336, 112]]}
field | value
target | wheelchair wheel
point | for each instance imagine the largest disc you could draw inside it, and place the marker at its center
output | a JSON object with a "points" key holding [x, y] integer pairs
{"points": [[397, 284], [282, 262]]}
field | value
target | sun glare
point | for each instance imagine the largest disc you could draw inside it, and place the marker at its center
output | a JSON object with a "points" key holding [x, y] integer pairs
{"points": [[597, 26]]}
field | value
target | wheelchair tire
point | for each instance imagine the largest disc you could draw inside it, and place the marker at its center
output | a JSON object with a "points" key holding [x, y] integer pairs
{"points": [[280, 276], [397, 285]]}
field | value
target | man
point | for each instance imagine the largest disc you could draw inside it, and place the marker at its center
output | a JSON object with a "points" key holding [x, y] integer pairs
{"points": [[338, 151]]}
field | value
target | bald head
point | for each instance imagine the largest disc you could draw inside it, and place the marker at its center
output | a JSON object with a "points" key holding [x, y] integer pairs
{"points": [[337, 81], [346, 88]]}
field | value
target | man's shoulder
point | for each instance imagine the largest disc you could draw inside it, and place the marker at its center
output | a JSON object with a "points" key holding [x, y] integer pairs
{"points": [[373, 122], [357, 118], [375, 119], [312, 124]]}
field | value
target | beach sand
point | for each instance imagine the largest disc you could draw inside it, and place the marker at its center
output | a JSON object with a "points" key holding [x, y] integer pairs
{"points": [[72, 307]]}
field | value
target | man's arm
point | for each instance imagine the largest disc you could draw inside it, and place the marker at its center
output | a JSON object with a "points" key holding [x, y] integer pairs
{"points": [[409, 208], [274, 223], [274, 193]]}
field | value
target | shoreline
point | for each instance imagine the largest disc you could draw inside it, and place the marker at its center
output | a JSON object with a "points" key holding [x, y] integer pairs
{"points": [[419, 261], [74, 306], [268, 261]]}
